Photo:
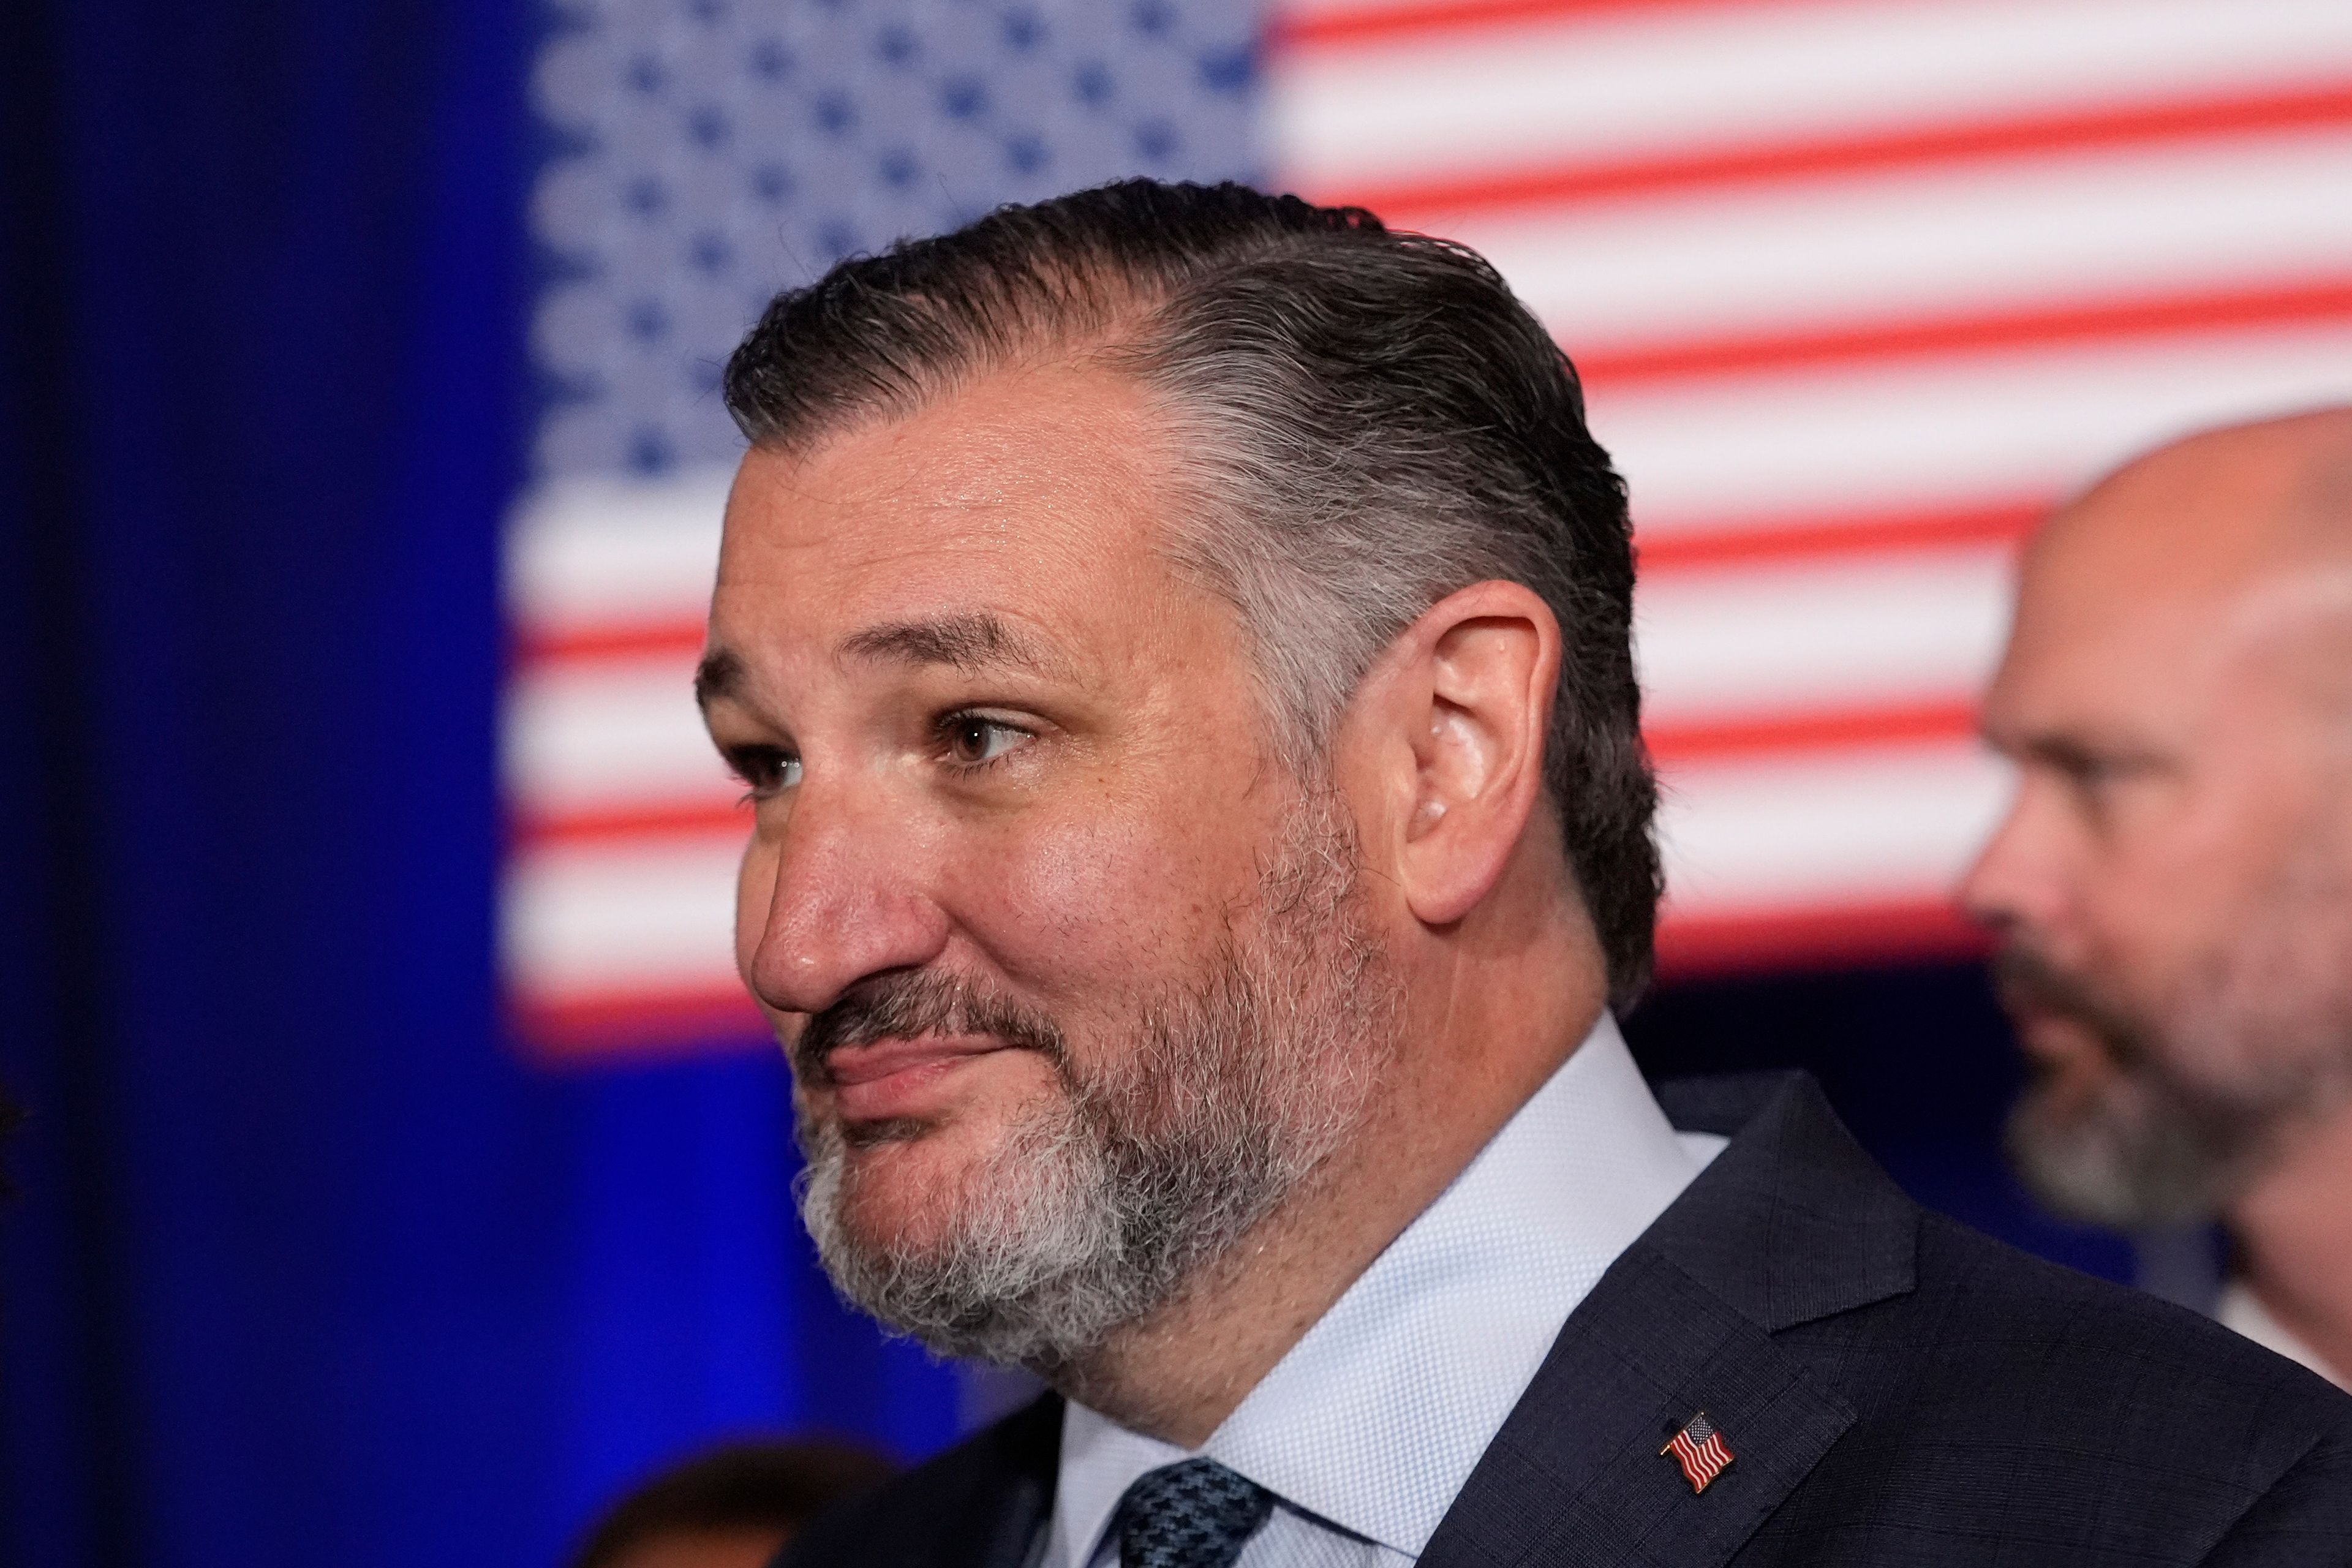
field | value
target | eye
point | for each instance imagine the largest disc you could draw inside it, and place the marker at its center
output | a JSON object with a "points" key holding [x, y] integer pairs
{"points": [[2098, 776], [974, 740], [768, 770]]}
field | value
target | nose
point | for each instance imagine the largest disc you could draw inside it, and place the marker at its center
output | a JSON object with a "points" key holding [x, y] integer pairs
{"points": [[832, 898], [2016, 880]]}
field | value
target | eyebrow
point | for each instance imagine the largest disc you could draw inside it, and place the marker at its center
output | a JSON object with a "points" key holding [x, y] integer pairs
{"points": [[969, 642], [2074, 752], [721, 674]]}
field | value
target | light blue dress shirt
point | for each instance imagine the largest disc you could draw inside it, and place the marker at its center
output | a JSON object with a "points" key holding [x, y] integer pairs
{"points": [[1366, 1430]]}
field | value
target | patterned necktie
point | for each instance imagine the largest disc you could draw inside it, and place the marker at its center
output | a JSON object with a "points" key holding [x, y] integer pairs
{"points": [[1193, 1514]]}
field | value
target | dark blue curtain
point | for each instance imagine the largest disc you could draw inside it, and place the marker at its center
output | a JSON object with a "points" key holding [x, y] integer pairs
{"points": [[1917, 1060], [305, 1266]]}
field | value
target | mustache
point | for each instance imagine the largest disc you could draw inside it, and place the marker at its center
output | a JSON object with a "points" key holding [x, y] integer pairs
{"points": [[910, 1005], [2028, 981]]}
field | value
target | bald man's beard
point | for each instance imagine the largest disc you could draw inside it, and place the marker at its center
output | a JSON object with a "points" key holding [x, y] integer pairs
{"points": [[1105, 1201], [2203, 1094], [2146, 1145]]}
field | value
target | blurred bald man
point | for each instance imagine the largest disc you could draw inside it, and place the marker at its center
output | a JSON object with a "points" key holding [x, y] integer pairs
{"points": [[2172, 889]]}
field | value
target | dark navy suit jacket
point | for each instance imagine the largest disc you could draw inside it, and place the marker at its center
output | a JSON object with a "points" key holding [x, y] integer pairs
{"points": [[1898, 1390]]}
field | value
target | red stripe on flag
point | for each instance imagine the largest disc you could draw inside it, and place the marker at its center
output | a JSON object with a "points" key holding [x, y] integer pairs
{"points": [[1698, 946], [1388, 22], [1675, 743], [700, 820], [2326, 299], [1406, 203], [678, 638], [643, 1025], [1737, 544]]}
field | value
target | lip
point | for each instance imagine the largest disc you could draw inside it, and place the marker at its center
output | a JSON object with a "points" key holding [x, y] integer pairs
{"points": [[2039, 1027], [894, 1078], [2058, 1040]]}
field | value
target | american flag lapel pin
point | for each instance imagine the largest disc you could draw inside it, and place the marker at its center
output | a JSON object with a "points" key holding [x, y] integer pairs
{"points": [[1700, 1450]]}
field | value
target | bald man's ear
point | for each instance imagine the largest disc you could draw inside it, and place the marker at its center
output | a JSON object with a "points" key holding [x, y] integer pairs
{"points": [[1456, 711]]}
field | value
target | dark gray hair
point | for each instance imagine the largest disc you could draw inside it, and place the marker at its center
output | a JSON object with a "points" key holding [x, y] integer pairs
{"points": [[1371, 420]]}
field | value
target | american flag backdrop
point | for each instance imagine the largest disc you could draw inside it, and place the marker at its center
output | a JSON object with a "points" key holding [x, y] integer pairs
{"points": [[1858, 288]]}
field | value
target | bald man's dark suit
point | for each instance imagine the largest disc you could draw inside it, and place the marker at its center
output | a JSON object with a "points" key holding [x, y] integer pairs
{"points": [[1899, 1389]]}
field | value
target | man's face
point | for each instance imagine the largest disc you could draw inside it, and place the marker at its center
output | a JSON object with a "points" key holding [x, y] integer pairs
{"points": [[2172, 888], [1069, 969]]}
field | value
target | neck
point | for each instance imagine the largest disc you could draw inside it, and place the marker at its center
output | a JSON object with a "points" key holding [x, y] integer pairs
{"points": [[1470, 1062], [2293, 1232]]}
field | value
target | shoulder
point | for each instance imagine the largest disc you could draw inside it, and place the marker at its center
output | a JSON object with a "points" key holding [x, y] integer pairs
{"points": [[2029, 1397], [1987, 1303], [1795, 1227], [1986, 1395], [979, 1503]]}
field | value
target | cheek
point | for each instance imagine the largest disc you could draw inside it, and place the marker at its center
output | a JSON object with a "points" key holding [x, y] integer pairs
{"points": [[2153, 869], [1072, 903], [2174, 898], [2134, 946]]}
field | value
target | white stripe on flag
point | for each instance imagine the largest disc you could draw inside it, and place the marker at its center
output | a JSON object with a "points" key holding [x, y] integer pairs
{"points": [[599, 555], [586, 734], [584, 922], [1894, 248], [1591, 86], [1931, 432], [1893, 629], [1811, 831]]}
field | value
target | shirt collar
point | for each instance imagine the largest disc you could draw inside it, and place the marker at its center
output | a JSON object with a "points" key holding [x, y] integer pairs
{"points": [[2242, 1311], [1378, 1415]]}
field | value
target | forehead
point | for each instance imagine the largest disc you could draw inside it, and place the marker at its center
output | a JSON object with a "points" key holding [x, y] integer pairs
{"points": [[2128, 600], [1038, 493]]}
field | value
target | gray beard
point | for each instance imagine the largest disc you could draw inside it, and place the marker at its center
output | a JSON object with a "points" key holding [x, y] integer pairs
{"points": [[2153, 1150], [1104, 1202], [2268, 1023]]}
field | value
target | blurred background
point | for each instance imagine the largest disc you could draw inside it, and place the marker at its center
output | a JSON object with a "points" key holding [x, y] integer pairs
{"points": [[403, 1174]]}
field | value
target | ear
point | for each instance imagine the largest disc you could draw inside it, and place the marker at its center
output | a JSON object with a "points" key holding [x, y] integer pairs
{"points": [[1457, 713]]}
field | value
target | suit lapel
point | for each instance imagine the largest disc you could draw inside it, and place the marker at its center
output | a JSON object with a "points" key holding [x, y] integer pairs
{"points": [[993, 1515], [1790, 1222], [1575, 1476], [1011, 1534]]}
